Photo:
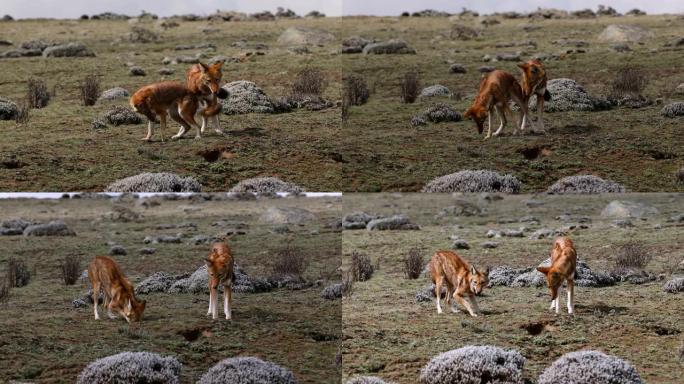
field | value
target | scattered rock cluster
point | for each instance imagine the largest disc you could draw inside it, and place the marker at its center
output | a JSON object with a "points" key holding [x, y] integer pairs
{"points": [[585, 184], [363, 220], [474, 181]]}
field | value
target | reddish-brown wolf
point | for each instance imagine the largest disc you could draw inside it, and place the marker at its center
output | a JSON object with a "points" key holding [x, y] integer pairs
{"points": [[462, 280], [179, 100], [104, 273], [220, 269], [563, 263], [534, 83], [497, 89]]}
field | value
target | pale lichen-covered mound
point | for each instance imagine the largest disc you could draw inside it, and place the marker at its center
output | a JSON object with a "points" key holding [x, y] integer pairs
{"points": [[435, 90], [530, 277], [474, 181], [53, 228], [617, 33], [245, 97], [366, 380], [396, 222], [567, 95], [198, 282], [673, 109], [266, 185], [305, 36], [247, 370], [583, 367], [675, 285], [113, 94], [474, 365], [155, 182], [157, 282], [132, 367], [8, 109], [585, 184], [68, 50], [438, 113]]}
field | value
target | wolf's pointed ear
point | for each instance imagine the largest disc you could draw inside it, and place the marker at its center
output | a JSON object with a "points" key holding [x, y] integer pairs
{"points": [[203, 67], [218, 64], [473, 270], [544, 270], [522, 66]]}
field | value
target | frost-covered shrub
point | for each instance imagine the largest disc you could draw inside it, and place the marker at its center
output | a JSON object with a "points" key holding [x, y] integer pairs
{"points": [[361, 267], [396, 222], [198, 282], [366, 380], [583, 367], [675, 285], [155, 182], [247, 370], [567, 95], [474, 365], [245, 97], [585, 184], [333, 291], [266, 185], [156, 282], [673, 109], [438, 113], [8, 109], [132, 367], [120, 115], [474, 181]]}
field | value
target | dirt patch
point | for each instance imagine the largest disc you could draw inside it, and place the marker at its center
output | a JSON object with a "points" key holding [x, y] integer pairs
{"points": [[531, 153], [192, 334], [536, 327], [216, 154], [571, 129], [251, 132], [663, 331]]}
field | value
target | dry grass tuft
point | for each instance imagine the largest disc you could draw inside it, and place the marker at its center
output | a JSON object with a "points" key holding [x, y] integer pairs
{"points": [[413, 264], [71, 269], [37, 94], [90, 90], [290, 261], [410, 87]]}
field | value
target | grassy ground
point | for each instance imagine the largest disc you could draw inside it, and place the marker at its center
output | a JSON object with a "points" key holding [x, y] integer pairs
{"points": [[43, 339], [388, 334], [59, 150], [638, 148]]}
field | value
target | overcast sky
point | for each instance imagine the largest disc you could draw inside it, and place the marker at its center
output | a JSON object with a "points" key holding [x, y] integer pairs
{"points": [[75, 8]]}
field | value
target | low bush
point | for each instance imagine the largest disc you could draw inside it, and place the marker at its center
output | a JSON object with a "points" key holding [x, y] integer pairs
{"points": [[361, 267], [413, 264]]}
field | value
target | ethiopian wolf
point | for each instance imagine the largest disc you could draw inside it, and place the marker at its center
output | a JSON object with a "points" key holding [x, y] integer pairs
{"points": [[462, 280], [221, 271], [104, 273], [563, 263]]}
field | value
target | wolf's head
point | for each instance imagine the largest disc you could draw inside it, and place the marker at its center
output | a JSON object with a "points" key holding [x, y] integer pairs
{"points": [[553, 279], [133, 311], [478, 114], [478, 279], [210, 77], [534, 75]]}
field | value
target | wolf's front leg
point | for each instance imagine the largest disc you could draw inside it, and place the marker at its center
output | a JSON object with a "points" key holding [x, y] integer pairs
{"points": [[150, 129]]}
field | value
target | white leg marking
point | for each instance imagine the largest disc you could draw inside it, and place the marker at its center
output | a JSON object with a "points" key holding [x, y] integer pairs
{"points": [[217, 124], [210, 301]]}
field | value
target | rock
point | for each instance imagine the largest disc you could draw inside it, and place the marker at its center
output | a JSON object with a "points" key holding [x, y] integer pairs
{"points": [[266, 185], [473, 181], [616, 33], [396, 222], [590, 367], [357, 220], [457, 68], [245, 97], [460, 208], [168, 239], [286, 215], [113, 94], [299, 50], [489, 245], [147, 251], [427, 293], [8, 109], [394, 46], [120, 115], [157, 282], [203, 239], [440, 112], [620, 47], [248, 370], [460, 244], [356, 43], [53, 228], [462, 32], [366, 380], [117, 250], [333, 291], [305, 36], [5, 42], [14, 53], [68, 50], [474, 364], [673, 109], [542, 233], [623, 223], [567, 95], [435, 90], [502, 57], [136, 71], [627, 209], [585, 184], [78, 303], [679, 89], [155, 182], [132, 367], [167, 71], [486, 69]]}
